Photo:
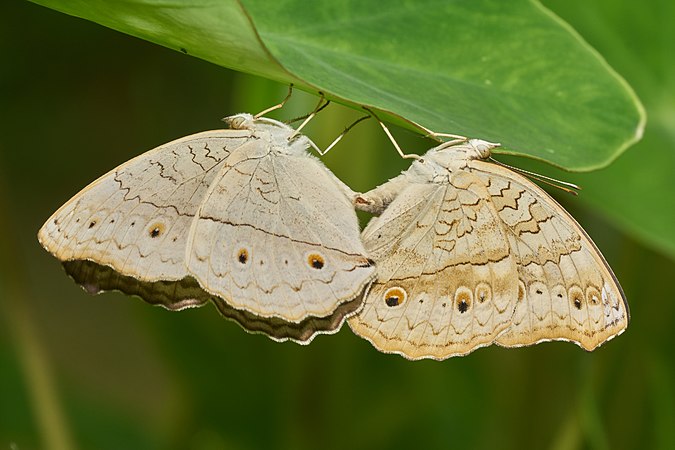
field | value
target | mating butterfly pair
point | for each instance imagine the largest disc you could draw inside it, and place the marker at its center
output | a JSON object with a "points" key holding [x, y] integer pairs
{"points": [[463, 253]]}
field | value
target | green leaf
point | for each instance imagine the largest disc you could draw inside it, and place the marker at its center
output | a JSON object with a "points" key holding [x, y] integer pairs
{"points": [[637, 192], [504, 71], [218, 31]]}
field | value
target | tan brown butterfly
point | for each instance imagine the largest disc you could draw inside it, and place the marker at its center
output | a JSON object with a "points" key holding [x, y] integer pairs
{"points": [[469, 253]]}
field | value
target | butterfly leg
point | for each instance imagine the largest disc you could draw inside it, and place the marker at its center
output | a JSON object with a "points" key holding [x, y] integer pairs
{"points": [[339, 138], [278, 105], [319, 106], [391, 138]]}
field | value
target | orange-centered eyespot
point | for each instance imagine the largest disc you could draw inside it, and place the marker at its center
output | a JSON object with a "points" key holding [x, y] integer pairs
{"points": [[576, 296], [463, 300], [395, 296], [156, 229], [593, 296], [242, 256], [483, 292], [316, 261]]}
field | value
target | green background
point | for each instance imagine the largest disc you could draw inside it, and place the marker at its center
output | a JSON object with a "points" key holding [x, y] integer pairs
{"points": [[111, 372]]}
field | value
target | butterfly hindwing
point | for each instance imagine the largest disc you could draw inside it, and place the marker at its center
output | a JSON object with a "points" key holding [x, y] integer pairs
{"points": [[567, 290], [446, 282]]}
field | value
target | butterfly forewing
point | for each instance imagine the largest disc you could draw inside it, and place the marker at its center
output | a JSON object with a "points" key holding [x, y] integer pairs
{"points": [[135, 218]]}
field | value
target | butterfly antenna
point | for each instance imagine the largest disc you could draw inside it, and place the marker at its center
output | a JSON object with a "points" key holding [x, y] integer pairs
{"points": [[278, 105], [570, 188], [391, 138], [319, 106], [337, 139]]}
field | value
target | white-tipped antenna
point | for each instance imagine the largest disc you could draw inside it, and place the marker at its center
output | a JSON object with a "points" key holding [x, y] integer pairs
{"points": [[391, 138], [570, 188], [278, 105]]}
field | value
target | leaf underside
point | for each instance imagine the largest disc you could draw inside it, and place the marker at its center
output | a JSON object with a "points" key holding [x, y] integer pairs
{"points": [[508, 72]]}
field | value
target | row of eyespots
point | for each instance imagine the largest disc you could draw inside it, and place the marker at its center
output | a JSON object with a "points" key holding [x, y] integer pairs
{"points": [[314, 260], [396, 296], [574, 293], [154, 230]]}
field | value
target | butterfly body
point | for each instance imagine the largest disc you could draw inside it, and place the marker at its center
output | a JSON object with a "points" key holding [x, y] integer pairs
{"points": [[469, 254]]}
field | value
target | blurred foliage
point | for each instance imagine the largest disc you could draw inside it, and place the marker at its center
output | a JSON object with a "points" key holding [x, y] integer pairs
{"points": [[509, 72], [111, 372]]}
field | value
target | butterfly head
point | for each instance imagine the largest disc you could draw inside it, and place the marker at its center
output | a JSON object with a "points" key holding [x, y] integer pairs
{"points": [[451, 156], [480, 149], [246, 121], [242, 121], [285, 138]]}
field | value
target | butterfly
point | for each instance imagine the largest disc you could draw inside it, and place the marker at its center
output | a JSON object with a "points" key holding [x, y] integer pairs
{"points": [[470, 253], [243, 217]]}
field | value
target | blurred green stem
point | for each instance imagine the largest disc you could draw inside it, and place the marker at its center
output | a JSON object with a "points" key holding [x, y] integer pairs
{"points": [[39, 380]]}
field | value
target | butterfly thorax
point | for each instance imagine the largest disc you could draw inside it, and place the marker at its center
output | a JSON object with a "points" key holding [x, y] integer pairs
{"points": [[437, 165], [282, 138]]}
